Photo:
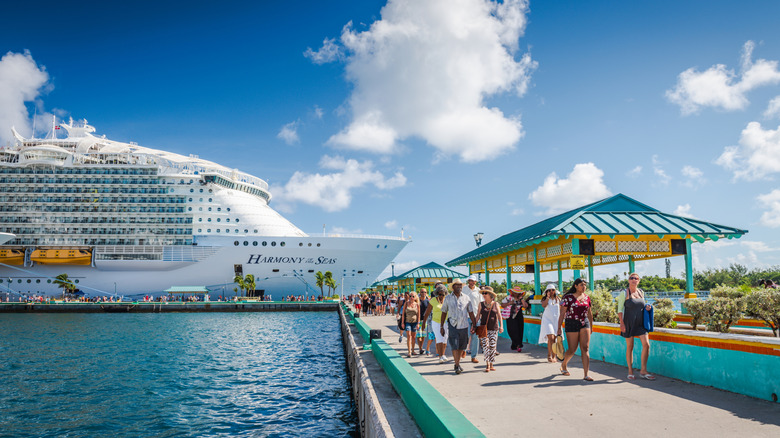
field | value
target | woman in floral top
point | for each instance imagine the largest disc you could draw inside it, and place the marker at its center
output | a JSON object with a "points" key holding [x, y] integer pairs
{"points": [[577, 316]]}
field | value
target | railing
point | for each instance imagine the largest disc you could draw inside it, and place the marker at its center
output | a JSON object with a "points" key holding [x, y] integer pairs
{"points": [[359, 236]]}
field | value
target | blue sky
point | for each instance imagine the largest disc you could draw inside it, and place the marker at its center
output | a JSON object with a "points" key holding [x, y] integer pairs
{"points": [[443, 118]]}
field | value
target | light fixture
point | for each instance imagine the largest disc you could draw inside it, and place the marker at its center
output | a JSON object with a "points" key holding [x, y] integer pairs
{"points": [[478, 238]]}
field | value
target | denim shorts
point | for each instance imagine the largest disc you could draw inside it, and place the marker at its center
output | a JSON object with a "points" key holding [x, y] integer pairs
{"points": [[410, 326]]}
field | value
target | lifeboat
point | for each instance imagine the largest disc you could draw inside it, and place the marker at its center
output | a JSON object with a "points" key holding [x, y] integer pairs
{"points": [[62, 256], [12, 256]]}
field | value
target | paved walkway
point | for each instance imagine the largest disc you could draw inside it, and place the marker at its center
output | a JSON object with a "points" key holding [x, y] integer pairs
{"points": [[526, 395]]}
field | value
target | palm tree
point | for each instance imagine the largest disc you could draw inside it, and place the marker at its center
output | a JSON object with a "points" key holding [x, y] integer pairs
{"points": [[64, 282], [239, 280], [249, 282], [320, 281], [330, 282]]}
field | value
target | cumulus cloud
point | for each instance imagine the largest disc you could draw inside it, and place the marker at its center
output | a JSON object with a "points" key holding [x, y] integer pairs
{"points": [[425, 70], [318, 112], [693, 176], [662, 178], [583, 185], [329, 52], [771, 203], [684, 211], [333, 191], [21, 80], [289, 133], [391, 225], [756, 157], [720, 87]]}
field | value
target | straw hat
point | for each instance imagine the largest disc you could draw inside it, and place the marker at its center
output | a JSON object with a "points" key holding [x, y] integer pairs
{"points": [[457, 281], [488, 290], [517, 290], [559, 351]]}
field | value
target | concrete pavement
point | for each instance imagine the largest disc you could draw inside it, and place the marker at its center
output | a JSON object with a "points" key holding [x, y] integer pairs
{"points": [[527, 395]]}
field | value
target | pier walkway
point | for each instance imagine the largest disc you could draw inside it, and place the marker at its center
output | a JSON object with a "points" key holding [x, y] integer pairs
{"points": [[526, 395]]}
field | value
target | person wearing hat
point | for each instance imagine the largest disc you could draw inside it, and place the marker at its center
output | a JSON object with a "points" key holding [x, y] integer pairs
{"points": [[472, 291], [515, 323], [552, 311], [432, 317], [489, 317], [457, 312]]}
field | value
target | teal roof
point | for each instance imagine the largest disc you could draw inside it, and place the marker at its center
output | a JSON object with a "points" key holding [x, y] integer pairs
{"points": [[187, 290], [617, 215], [431, 270], [385, 282]]}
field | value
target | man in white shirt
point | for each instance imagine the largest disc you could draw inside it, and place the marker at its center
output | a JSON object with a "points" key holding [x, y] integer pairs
{"points": [[456, 310], [472, 291]]}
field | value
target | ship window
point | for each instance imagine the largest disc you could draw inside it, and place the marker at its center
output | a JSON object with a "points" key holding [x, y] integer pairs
{"points": [[273, 243], [201, 190], [219, 208], [210, 190], [209, 199], [200, 230], [385, 246], [246, 243], [311, 270], [235, 243], [209, 208], [265, 243], [200, 199], [228, 209], [227, 220], [236, 230], [190, 200], [281, 244], [77, 281], [200, 208], [181, 181], [48, 281], [38, 280], [276, 270], [217, 230], [20, 280], [255, 231], [236, 220], [360, 272], [318, 245], [309, 243], [209, 219], [189, 208], [219, 220], [192, 190], [300, 244], [29, 281], [209, 230], [246, 231], [377, 246], [254, 243]]}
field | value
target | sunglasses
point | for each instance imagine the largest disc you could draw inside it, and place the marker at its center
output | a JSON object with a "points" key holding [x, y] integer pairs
{"points": [[485, 293], [633, 278]]}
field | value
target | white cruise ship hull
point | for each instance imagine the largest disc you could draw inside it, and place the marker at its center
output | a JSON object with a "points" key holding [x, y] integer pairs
{"points": [[355, 263]]}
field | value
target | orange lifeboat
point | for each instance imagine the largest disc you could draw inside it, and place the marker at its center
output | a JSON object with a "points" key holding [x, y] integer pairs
{"points": [[13, 256], [62, 256]]}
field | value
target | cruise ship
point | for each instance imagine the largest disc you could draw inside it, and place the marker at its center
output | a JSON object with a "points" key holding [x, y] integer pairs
{"points": [[122, 219]]}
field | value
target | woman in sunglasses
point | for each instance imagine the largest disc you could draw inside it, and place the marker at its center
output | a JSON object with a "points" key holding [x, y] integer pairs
{"points": [[631, 304], [578, 318], [434, 312], [489, 316]]}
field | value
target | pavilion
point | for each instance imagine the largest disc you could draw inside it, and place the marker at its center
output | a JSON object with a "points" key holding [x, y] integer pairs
{"points": [[617, 229], [422, 276]]}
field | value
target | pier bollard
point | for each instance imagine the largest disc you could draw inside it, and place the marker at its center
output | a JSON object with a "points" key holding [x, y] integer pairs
{"points": [[375, 334]]}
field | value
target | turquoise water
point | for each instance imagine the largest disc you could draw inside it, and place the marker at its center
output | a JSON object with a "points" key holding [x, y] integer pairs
{"points": [[174, 375]]}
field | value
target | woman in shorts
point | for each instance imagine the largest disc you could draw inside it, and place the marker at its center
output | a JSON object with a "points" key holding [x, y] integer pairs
{"points": [[410, 319], [577, 316]]}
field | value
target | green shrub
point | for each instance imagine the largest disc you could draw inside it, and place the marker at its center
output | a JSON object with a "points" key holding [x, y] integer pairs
{"points": [[722, 312], [764, 304], [603, 305], [723, 291], [696, 308], [663, 315]]}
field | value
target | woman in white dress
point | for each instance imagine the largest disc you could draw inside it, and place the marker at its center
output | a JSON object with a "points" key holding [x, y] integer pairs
{"points": [[552, 311]]}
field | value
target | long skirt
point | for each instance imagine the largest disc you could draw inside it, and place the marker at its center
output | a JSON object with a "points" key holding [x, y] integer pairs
{"points": [[489, 344], [514, 328]]}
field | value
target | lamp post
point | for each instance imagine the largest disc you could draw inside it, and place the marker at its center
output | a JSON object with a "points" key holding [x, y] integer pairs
{"points": [[478, 240], [392, 268]]}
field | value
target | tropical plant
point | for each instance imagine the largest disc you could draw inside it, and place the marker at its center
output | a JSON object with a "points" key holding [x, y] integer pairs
{"points": [[320, 281], [239, 280], [764, 304], [330, 282], [722, 312], [249, 282], [603, 305], [663, 314], [698, 311], [64, 282]]}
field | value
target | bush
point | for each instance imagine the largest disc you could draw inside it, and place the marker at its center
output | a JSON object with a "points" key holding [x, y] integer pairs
{"points": [[603, 305], [764, 304], [734, 293], [722, 312], [696, 308], [663, 315]]}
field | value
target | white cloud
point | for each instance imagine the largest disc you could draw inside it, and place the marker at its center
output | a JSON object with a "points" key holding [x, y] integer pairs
{"points": [[684, 211], [517, 212], [425, 70], [773, 109], [329, 52], [635, 172], [289, 133], [391, 225], [583, 185], [694, 176], [21, 80], [757, 246], [333, 191], [318, 112], [720, 87], [662, 177], [771, 202], [756, 157]]}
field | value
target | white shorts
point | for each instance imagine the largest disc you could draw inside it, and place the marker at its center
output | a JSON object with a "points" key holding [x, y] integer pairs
{"points": [[440, 339]]}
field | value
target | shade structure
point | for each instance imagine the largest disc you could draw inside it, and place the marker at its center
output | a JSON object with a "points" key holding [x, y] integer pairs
{"points": [[187, 290], [425, 276], [614, 230]]}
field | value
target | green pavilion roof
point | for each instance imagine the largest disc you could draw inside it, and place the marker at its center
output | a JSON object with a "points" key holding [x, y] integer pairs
{"points": [[430, 270], [187, 290], [617, 215], [385, 282]]}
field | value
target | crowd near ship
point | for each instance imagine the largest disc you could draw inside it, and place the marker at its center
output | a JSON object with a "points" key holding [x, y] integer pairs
{"points": [[121, 218]]}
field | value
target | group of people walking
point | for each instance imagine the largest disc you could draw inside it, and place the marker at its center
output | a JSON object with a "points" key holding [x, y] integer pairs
{"points": [[470, 318]]}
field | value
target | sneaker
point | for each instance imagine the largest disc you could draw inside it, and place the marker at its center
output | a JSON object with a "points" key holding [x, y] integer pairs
{"points": [[427, 354], [458, 370], [400, 339], [442, 359]]}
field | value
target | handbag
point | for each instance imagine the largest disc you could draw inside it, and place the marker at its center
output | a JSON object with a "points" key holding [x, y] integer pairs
{"points": [[481, 331], [559, 351], [647, 318]]}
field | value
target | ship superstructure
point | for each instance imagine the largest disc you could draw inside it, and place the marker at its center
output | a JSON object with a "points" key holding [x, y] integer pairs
{"points": [[108, 212]]}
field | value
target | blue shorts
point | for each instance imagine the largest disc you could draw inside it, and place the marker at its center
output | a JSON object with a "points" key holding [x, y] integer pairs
{"points": [[410, 326]]}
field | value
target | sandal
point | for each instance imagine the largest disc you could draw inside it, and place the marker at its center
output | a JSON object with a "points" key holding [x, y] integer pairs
{"points": [[564, 372], [587, 378], [647, 376], [631, 377], [487, 369]]}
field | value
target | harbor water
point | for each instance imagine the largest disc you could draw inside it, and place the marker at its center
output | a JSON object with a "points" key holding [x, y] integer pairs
{"points": [[174, 375]]}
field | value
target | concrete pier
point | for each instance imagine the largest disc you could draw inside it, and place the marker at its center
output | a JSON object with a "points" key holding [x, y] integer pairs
{"points": [[527, 395]]}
